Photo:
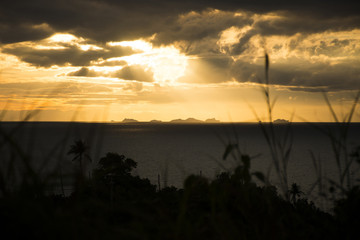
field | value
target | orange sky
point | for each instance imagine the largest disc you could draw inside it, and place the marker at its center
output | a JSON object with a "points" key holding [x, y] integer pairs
{"points": [[205, 63]]}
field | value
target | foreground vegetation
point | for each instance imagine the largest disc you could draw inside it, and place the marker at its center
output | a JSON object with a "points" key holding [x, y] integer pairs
{"points": [[115, 204]]}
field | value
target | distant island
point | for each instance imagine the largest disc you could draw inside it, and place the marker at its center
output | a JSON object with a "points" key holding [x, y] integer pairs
{"points": [[212, 120], [129, 120], [188, 120], [194, 120], [281, 121]]}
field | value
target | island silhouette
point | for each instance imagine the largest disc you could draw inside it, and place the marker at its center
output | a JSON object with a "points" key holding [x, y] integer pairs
{"points": [[179, 120]]}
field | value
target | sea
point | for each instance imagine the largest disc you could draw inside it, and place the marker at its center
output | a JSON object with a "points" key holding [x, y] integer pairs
{"points": [[171, 152]]}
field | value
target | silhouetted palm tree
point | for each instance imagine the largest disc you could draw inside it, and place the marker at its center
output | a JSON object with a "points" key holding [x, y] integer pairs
{"points": [[79, 149], [294, 192]]}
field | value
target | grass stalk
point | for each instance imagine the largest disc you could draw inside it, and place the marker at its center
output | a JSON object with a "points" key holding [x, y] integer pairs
{"points": [[280, 146], [339, 142]]}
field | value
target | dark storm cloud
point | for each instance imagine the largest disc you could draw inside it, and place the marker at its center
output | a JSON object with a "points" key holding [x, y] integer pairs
{"points": [[195, 26], [305, 77], [83, 72], [135, 72], [111, 20], [98, 20], [10, 32], [201, 29], [288, 25], [69, 54]]}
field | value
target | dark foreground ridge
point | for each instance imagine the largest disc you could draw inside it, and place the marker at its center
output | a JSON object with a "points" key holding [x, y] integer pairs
{"points": [[114, 204]]}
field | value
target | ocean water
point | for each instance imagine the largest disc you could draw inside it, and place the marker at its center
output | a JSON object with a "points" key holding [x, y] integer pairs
{"points": [[175, 151]]}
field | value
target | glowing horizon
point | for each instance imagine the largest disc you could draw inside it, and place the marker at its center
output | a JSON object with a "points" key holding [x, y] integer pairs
{"points": [[200, 64]]}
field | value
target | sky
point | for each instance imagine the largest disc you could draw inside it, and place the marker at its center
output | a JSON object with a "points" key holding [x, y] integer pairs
{"points": [[92, 60]]}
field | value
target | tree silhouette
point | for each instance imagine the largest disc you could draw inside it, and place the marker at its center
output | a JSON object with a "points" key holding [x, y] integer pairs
{"points": [[79, 150], [294, 192], [117, 165]]}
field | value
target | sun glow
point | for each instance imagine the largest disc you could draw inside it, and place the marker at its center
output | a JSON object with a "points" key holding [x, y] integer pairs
{"points": [[167, 63], [136, 45], [61, 37]]}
